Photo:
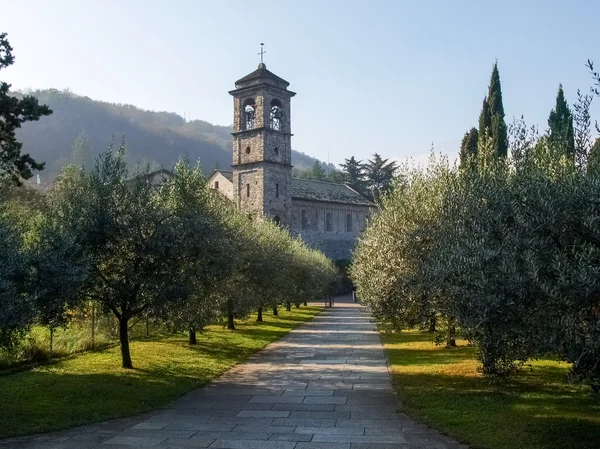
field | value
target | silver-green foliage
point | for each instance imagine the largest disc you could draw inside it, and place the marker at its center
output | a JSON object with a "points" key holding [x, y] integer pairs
{"points": [[509, 248], [15, 307]]}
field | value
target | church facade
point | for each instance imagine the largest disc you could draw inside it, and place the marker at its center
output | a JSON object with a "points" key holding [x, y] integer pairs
{"points": [[329, 217]]}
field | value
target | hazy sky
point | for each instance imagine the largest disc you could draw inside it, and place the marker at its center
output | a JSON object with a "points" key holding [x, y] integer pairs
{"points": [[371, 76]]}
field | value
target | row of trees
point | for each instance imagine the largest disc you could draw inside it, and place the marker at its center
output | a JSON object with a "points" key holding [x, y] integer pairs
{"points": [[504, 248], [371, 179], [176, 252]]}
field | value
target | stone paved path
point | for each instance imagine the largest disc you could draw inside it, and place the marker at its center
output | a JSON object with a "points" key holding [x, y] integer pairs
{"points": [[323, 386]]}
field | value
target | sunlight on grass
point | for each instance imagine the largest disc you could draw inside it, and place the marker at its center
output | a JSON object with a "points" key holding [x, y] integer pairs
{"points": [[92, 386], [536, 409]]}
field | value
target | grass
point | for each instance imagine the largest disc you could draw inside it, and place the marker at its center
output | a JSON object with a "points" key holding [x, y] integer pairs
{"points": [[92, 387], [535, 409]]}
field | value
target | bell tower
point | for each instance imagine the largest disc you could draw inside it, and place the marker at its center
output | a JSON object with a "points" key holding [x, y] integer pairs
{"points": [[262, 152]]}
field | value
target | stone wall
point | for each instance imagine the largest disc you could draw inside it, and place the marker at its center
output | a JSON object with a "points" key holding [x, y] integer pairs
{"points": [[338, 242], [278, 193], [222, 184], [248, 189]]}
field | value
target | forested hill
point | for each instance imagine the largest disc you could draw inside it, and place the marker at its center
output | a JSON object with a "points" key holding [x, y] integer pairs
{"points": [[156, 138]]}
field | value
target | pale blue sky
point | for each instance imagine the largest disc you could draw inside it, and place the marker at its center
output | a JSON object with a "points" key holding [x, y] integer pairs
{"points": [[371, 76]]}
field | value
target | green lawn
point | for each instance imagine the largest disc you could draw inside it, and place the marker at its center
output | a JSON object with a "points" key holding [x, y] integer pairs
{"points": [[92, 387], [536, 408]]}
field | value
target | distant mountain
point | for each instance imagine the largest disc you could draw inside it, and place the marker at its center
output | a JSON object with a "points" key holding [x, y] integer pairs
{"points": [[155, 138]]}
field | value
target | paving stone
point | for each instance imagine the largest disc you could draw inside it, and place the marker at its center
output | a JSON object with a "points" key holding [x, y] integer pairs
{"points": [[151, 425], [238, 406], [290, 437], [197, 426], [308, 422], [319, 415], [175, 443], [163, 433], [268, 429], [306, 407], [256, 435], [323, 446], [383, 446], [263, 414], [327, 438], [135, 441], [390, 423], [277, 400], [250, 444], [331, 430], [324, 400], [325, 385], [290, 392]]}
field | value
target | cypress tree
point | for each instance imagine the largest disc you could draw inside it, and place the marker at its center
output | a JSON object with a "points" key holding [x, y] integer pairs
{"points": [[560, 122], [498, 134], [485, 124], [468, 146]]}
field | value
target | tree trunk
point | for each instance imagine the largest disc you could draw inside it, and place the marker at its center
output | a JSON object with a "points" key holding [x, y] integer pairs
{"points": [[297, 305], [147, 325], [192, 339], [230, 322], [275, 311], [288, 306], [259, 317], [51, 339], [306, 303], [451, 337], [93, 325], [432, 324], [124, 339]]}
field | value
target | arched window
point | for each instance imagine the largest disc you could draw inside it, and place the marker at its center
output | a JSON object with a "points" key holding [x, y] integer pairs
{"points": [[303, 219], [248, 150], [276, 115], [216, 184], [248, 190], [328, 222], [277, 220], [276, 150], [349, 223], [249, 114]]}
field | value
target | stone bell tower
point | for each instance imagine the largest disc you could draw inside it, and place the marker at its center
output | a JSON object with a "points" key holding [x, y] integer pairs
{"points": [[262, 152]]}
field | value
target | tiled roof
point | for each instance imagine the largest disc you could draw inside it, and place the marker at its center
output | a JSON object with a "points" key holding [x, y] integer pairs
{"points": [[261, 72], [307, 189], [227, 173]]}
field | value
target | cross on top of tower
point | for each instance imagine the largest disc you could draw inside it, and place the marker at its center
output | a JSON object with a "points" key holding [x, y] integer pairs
{"points": [[262, 52]]}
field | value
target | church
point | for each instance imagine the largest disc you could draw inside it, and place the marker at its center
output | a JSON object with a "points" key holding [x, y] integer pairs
{"points": [[327, 216]]}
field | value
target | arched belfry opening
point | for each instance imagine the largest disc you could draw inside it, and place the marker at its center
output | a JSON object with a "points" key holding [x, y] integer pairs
{"points": [[249, 114], [276, 115]]}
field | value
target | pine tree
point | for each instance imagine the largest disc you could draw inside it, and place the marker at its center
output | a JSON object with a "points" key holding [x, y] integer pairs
{"points": [[317, 172], [14, 112], [499, 133], [560, 122], [468, 147], [379, 174], [354, 172]]}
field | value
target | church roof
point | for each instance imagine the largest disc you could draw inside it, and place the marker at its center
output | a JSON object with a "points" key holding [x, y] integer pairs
{"points": [[308, 189], [261, 72], [227, 173]]}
